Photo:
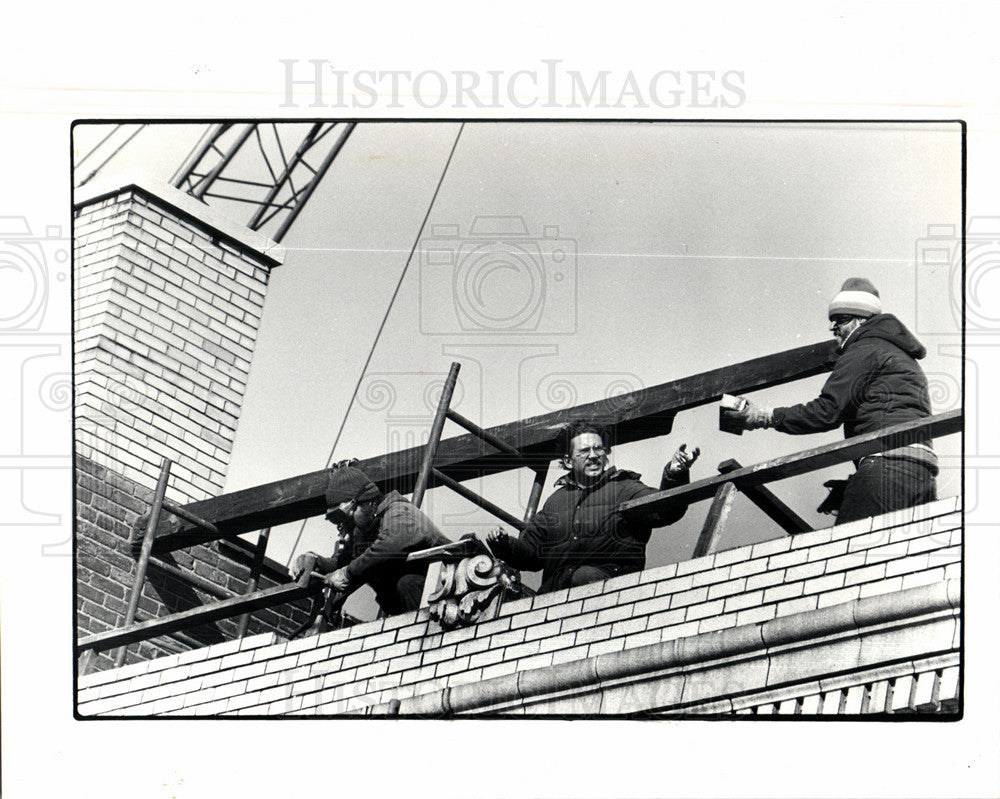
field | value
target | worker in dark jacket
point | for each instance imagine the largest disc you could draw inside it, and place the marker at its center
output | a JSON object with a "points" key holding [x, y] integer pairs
{"points": [[875, 383], [378, 533], [579, 536]]}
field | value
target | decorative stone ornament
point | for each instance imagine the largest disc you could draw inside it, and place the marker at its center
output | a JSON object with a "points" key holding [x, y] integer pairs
{"points": [[470, 590]]}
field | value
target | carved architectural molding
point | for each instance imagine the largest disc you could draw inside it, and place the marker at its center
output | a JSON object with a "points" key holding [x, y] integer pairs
{"points": [[470, 590]]}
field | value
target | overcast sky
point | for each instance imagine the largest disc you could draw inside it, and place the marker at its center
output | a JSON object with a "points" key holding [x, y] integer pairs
{"points": [[648, 252]]}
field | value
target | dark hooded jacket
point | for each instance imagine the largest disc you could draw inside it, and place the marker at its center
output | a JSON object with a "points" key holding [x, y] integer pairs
{"points": [[580, 526], [380, 553], [875, 383]]}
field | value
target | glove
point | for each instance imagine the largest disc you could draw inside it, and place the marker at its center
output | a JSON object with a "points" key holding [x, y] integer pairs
{"points": [[682, 460], [338, 580], [754, 417], [497, 537], [299, 565], [831, 505]]}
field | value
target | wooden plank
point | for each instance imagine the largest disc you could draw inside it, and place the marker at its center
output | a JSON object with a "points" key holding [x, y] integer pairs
{"points": [[278, 595], [767, 501], [637, 416], [807, 461], [716, 520]]}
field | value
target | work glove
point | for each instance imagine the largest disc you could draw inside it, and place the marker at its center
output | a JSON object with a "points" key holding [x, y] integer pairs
{"points": [[299, 565], [755, 416], [338, 580], [831, 505], [682, 460]]}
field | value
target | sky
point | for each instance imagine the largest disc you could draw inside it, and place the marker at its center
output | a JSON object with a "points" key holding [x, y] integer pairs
{"points": [[641, 253]]}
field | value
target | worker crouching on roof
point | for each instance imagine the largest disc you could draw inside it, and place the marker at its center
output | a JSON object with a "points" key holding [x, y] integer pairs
{"points": [[579, 536], [875, 383], [379, 531]]}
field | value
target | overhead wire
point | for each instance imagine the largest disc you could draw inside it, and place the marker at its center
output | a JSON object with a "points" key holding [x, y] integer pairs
{"points": [[385, 318], [117, 150]]}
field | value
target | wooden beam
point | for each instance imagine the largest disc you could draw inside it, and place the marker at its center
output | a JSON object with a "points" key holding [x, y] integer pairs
{"points": [[716, 520], [278, 595], [801, 462], [767, 501], [637, 416]]}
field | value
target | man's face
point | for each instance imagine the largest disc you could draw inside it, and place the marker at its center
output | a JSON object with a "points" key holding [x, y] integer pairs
{"points": [[588, 458], [364, 515], [843, 326]]}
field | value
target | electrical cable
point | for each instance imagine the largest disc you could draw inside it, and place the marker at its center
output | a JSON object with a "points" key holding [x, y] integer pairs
{"points": [[104, 163], [385, 318], [96, 147]]}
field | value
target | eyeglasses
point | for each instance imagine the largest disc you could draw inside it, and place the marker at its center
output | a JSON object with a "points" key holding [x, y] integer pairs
{"points": [[839, 321], [587, 451], [341, 514]]}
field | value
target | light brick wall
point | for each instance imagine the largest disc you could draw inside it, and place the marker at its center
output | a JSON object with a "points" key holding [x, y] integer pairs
{"points": [[167, 311], [168, 297], [402, 657]]}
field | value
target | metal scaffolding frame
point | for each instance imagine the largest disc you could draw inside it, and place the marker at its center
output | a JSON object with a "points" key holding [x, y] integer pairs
{"points": [[254, 164]]}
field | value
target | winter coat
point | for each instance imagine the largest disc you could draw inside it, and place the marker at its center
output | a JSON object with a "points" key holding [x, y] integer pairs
{"points": [[875, 383], [400, 528], [580, 526]]}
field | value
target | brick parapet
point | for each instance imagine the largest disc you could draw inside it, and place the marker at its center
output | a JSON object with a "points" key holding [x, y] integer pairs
{"points": [[167, 309], [395, 659]]}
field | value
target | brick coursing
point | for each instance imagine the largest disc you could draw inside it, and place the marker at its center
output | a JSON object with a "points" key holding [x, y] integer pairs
{"points": [[166, 319], [108, 504], [349, 671]]}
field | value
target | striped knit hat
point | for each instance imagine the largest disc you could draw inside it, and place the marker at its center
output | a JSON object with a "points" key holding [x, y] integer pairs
{"points": [[858, 297]]}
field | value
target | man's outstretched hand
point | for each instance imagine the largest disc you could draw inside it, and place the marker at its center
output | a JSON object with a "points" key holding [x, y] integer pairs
{"points": [[682, 460]]}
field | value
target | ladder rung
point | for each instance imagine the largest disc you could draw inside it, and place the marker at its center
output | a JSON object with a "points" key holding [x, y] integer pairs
{"points": [[485, 435], [474, 498], [187, 516]]}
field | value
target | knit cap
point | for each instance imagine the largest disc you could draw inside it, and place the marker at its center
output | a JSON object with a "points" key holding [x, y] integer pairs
{"points": [[858, 297], [348, 484]]}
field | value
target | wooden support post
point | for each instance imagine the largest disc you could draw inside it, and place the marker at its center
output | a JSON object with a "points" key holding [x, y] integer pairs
{"points": [[717, 515], [424, 476], [765, 499], [258, 564], [144, 553], [535, 495]]}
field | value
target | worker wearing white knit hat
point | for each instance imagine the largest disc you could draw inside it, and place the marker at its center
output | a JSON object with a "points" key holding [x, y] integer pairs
{"points": [[875, 383]]}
